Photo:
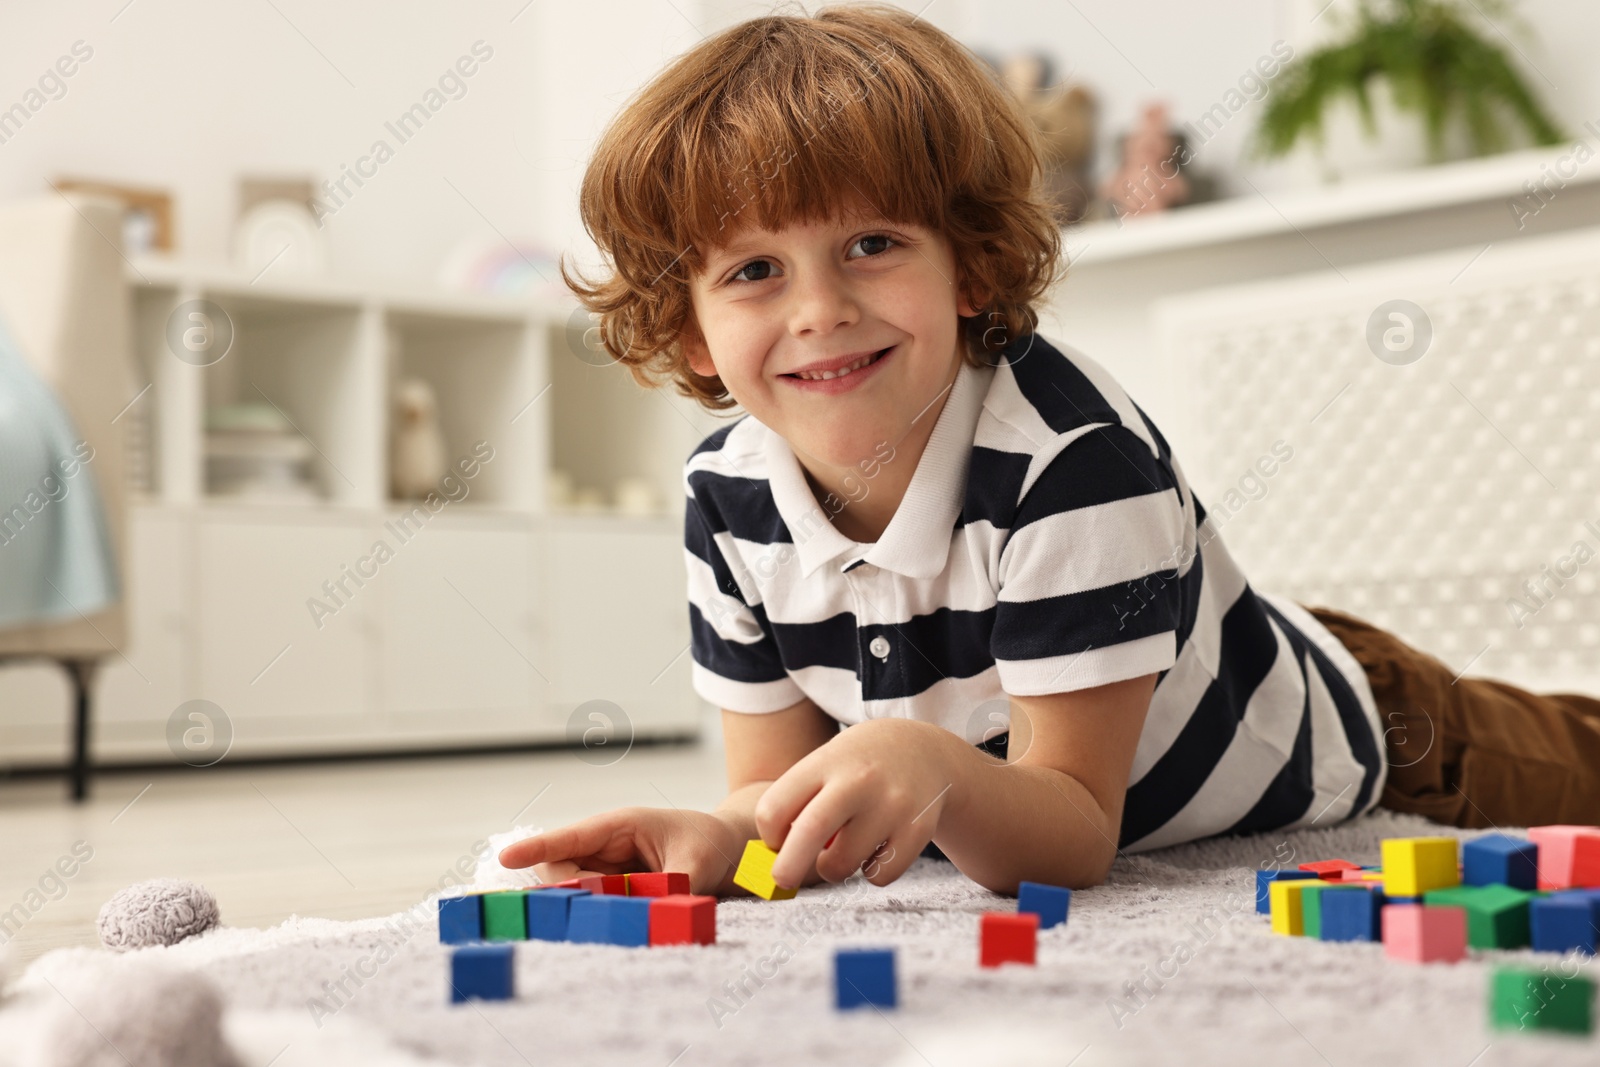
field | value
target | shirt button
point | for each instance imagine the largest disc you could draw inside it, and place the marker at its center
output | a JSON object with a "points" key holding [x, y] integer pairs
{"points": [[879, 647]]}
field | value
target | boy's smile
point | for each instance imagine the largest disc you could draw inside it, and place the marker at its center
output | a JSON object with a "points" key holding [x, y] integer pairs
{"points": [[842, 336]]}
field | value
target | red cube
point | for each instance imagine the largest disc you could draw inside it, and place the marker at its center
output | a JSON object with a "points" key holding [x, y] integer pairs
{"points": [[657, 883], [683, 919], [1569, 856], [613, 884], [1329, 870], [1007, 937]]}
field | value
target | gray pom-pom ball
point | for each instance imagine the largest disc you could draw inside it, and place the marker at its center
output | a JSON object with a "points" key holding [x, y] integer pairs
{"points": [[159, 912], [139, 1017]]}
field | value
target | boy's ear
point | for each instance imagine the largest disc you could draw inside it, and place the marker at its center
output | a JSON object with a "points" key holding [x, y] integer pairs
{"points": [[967, 305], [696, 353]]}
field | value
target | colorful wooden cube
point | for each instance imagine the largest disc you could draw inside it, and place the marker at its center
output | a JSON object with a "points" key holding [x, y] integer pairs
{"points": [[1007, 937], [683, 919], [1565, 922], [1354, 913], [657, 883], [1499, 859], [1569, 856], [755, 872], [482, 972], [548, 911], [1497, 915], [1286, 904], [1049, 902], [1329, 869], [1522, 999], [609, 919], [1414, 865], [1311, 894], [505, 915], [864, 976], [612, 885], [460, 919], [1421, 933], [1264, 880]]}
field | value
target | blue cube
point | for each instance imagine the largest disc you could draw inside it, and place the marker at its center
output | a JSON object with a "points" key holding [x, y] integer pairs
{"points": [[460, 920], [864, 976], [1049, 902], [482, 972], [1564, 921], [548, 910], [609, 920], [1497, 859], [1352, 914], [1264, 880]]}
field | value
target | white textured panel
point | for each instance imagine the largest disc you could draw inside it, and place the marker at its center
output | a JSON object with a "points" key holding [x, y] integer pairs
{"points": [[1420, 497]]}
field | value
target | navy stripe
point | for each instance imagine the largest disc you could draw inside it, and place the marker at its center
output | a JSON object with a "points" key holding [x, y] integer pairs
{"points": [[829, 643], [1363, 745], [1288, 797], [1191, 582], [740, 506], [1246, 657], [1093, 618], [926, 650], [1122, 467], [758, 662], [994, 485], [1063, 396]]}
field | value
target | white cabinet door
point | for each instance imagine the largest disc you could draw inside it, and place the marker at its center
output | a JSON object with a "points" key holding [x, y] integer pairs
{"points": [[141, 687], [288, 658], [459, 634], [618, 620]]}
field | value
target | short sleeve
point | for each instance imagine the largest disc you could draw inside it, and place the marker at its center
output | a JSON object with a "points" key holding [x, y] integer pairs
{"points": [[736, 664], [1090, 584]]}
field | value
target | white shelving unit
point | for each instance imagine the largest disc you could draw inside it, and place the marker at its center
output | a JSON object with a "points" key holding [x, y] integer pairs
{"points": [[490, 621]]}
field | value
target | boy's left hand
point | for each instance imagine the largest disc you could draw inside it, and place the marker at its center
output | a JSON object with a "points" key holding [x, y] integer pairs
{"points": [[869, 799]]}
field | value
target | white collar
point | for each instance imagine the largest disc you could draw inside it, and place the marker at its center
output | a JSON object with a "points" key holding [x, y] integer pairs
{"points": [[916, 542]]}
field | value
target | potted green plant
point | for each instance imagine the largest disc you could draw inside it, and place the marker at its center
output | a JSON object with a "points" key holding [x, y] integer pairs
{"points": [[1418, 59]]}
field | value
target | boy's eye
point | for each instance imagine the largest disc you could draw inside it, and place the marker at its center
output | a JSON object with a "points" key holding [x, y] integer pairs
{"points": [[872, 241], [762, 267]]}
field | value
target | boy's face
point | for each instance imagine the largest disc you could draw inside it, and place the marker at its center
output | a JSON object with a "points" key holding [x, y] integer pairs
{"points": [[776, 309]]}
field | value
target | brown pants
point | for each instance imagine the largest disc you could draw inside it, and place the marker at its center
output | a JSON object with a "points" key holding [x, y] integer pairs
{"points": [[1474, 752]]}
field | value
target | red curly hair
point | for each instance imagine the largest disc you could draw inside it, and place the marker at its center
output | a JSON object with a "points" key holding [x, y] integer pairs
{"points": [[786, 119]]}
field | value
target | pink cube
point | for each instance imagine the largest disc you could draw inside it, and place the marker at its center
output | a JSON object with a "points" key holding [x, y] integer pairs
{"points": [[1569, 856], [1424, 933]]}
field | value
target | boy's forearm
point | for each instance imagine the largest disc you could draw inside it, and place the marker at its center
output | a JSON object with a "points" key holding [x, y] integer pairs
{"points": [[1009, 823], [737, 810]]}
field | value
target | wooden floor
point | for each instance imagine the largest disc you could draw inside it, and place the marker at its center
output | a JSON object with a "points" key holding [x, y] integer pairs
{"points": [[339, 840]]}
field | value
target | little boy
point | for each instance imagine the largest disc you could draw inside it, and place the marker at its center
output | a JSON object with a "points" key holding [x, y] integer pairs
{"points": [[932, 524]]}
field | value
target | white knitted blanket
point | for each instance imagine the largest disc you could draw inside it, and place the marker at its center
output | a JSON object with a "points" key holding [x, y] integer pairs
{"points": [[1166, 963]]}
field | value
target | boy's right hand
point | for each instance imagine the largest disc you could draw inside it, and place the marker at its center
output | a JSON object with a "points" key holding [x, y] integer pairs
{"points": [[633, 839]]}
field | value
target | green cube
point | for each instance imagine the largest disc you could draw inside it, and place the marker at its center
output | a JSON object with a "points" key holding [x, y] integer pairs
{"points": [[505, 916], [1497, 915], [1311, 905], [1532, 1000]]}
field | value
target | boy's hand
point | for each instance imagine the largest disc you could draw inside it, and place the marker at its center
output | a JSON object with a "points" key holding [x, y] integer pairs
{"points": [[632, 839], [868, 799]]}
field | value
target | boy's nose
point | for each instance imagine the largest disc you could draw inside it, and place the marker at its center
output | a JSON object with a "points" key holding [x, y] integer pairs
{"points": [[820, 306]]}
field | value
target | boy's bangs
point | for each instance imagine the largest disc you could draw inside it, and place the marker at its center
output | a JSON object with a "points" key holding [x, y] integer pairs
{"points": [[773, 152]]}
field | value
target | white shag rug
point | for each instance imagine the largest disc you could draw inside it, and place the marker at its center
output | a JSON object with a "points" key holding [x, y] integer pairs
{"points": [[1217, 987]]}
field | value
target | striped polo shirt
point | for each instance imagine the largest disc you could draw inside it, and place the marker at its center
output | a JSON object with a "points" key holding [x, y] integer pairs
{"points": [[1048, 541]]}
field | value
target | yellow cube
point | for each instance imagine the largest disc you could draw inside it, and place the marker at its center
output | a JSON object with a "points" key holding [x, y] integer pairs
{"points": [[1287, 907], [755, 872], [1414, 865]]}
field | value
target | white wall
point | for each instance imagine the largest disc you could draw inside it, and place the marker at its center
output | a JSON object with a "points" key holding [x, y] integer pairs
{"points": [[187, 95]]}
